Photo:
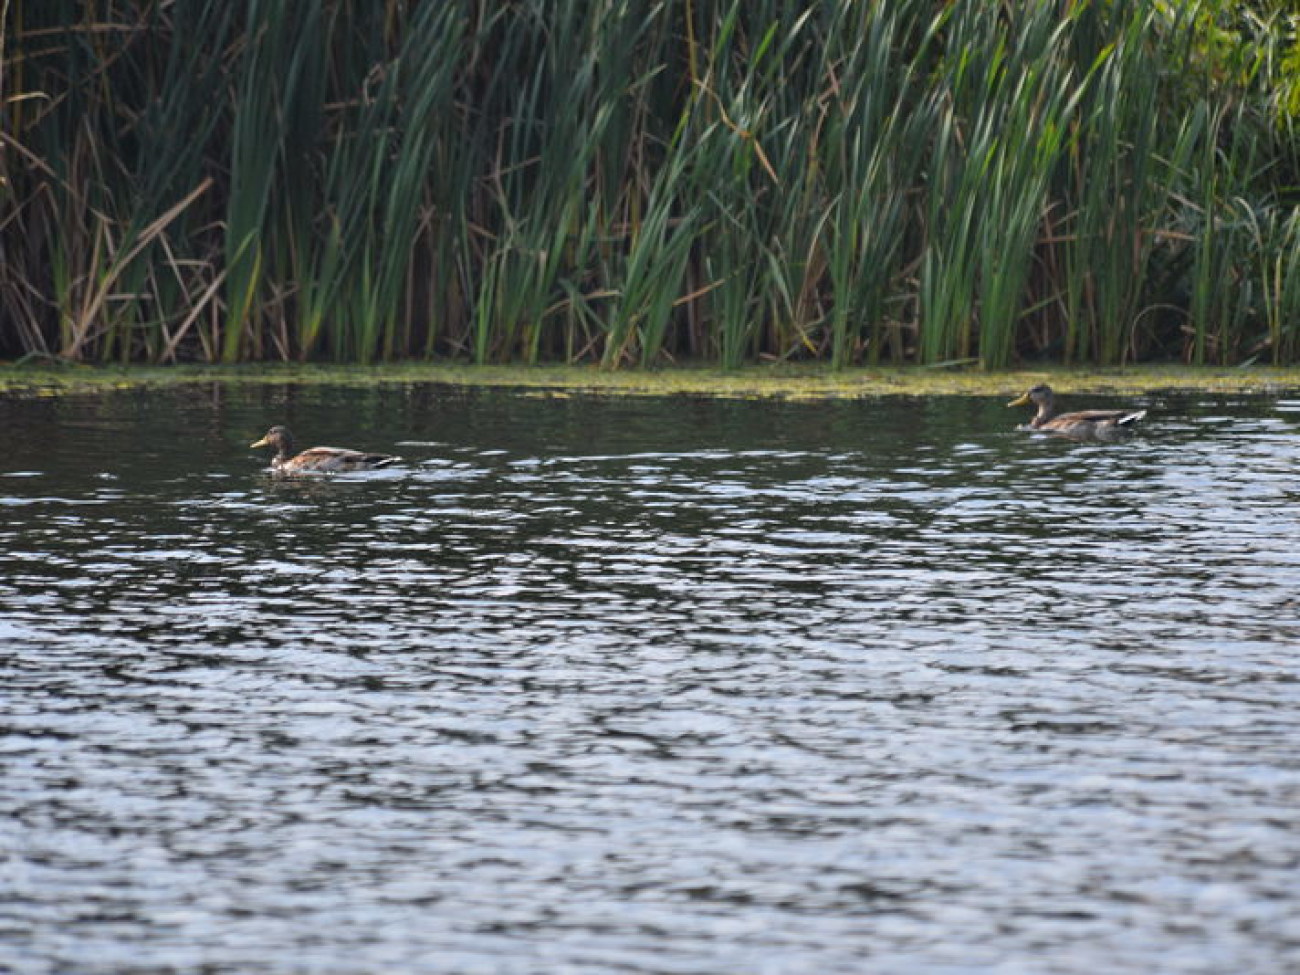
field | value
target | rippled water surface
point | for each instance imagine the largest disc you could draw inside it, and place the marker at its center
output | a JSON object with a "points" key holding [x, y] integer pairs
{"points": [[662, 685]]}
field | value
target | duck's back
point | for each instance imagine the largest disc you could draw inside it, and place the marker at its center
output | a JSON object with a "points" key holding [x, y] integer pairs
{"points": [[332, 459]]}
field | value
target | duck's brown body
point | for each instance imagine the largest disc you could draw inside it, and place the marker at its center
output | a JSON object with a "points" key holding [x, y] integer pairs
{"points": [[317, 459], [1082, 424]]}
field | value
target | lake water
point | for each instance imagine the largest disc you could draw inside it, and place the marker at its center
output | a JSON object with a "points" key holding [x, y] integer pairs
{"points": [[647, 686]]}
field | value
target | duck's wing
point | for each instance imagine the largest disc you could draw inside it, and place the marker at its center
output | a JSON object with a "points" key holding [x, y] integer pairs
{"points": [[338, 459], [1130, 418], [1093, 424], [1096, 418]]}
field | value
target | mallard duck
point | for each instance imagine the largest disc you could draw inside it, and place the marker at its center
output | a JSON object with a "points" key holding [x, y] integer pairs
{"points": [[1082, 425], [322, 459]]}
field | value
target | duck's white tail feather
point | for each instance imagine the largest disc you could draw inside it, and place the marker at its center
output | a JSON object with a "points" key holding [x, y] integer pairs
{"points": [[1130, 418]]}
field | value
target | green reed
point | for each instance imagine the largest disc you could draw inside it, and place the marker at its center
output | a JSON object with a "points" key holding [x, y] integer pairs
{"points": [[267, 73], [729, 180], [1116, 184], [873, 139]]}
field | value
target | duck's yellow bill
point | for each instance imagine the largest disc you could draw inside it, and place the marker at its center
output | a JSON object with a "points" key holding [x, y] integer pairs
{"points": [[259, 443], [1021, 400]]}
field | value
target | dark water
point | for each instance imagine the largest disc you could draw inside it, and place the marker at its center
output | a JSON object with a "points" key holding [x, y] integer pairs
{"points": [[647, 686]]}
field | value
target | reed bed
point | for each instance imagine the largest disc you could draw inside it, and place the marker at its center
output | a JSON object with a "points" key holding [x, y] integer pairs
{"points": [[643, 183]]}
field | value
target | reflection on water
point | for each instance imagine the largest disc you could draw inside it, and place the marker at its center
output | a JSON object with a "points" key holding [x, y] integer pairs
{"points": [[647, 686]]}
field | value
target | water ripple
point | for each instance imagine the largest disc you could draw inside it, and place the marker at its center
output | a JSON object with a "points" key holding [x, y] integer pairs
{"points": [[590, 686]]}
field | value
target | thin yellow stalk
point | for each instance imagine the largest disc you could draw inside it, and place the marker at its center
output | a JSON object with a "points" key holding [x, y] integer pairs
{"points": [[96, 298]]}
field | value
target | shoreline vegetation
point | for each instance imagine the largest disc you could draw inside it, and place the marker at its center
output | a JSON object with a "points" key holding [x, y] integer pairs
{"points": [[1093, 182], [802, 383]]}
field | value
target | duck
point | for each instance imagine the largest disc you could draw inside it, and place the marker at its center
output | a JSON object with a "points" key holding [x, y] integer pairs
{"points": [[317, 459], [1082, 425]]}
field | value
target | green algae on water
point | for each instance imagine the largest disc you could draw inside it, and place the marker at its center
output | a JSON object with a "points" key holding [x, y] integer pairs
{"points": [[790, 382]]}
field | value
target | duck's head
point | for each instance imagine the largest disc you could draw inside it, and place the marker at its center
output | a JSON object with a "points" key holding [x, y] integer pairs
{"points": [[278, 437], [1040, 396]]}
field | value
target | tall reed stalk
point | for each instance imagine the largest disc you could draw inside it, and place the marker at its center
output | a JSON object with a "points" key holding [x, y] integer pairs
{"points": [[874, 139]]}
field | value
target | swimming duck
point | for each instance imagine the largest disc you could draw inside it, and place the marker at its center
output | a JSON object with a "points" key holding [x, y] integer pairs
{"points": [[1082, 425], [322, 459]]}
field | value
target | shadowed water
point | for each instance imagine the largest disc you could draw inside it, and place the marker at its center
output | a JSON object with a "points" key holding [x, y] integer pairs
{"points": [[661, 685]]}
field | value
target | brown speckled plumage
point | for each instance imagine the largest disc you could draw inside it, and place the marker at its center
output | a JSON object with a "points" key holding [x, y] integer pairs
{"points": [[1081, 425], [317, 459]]}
